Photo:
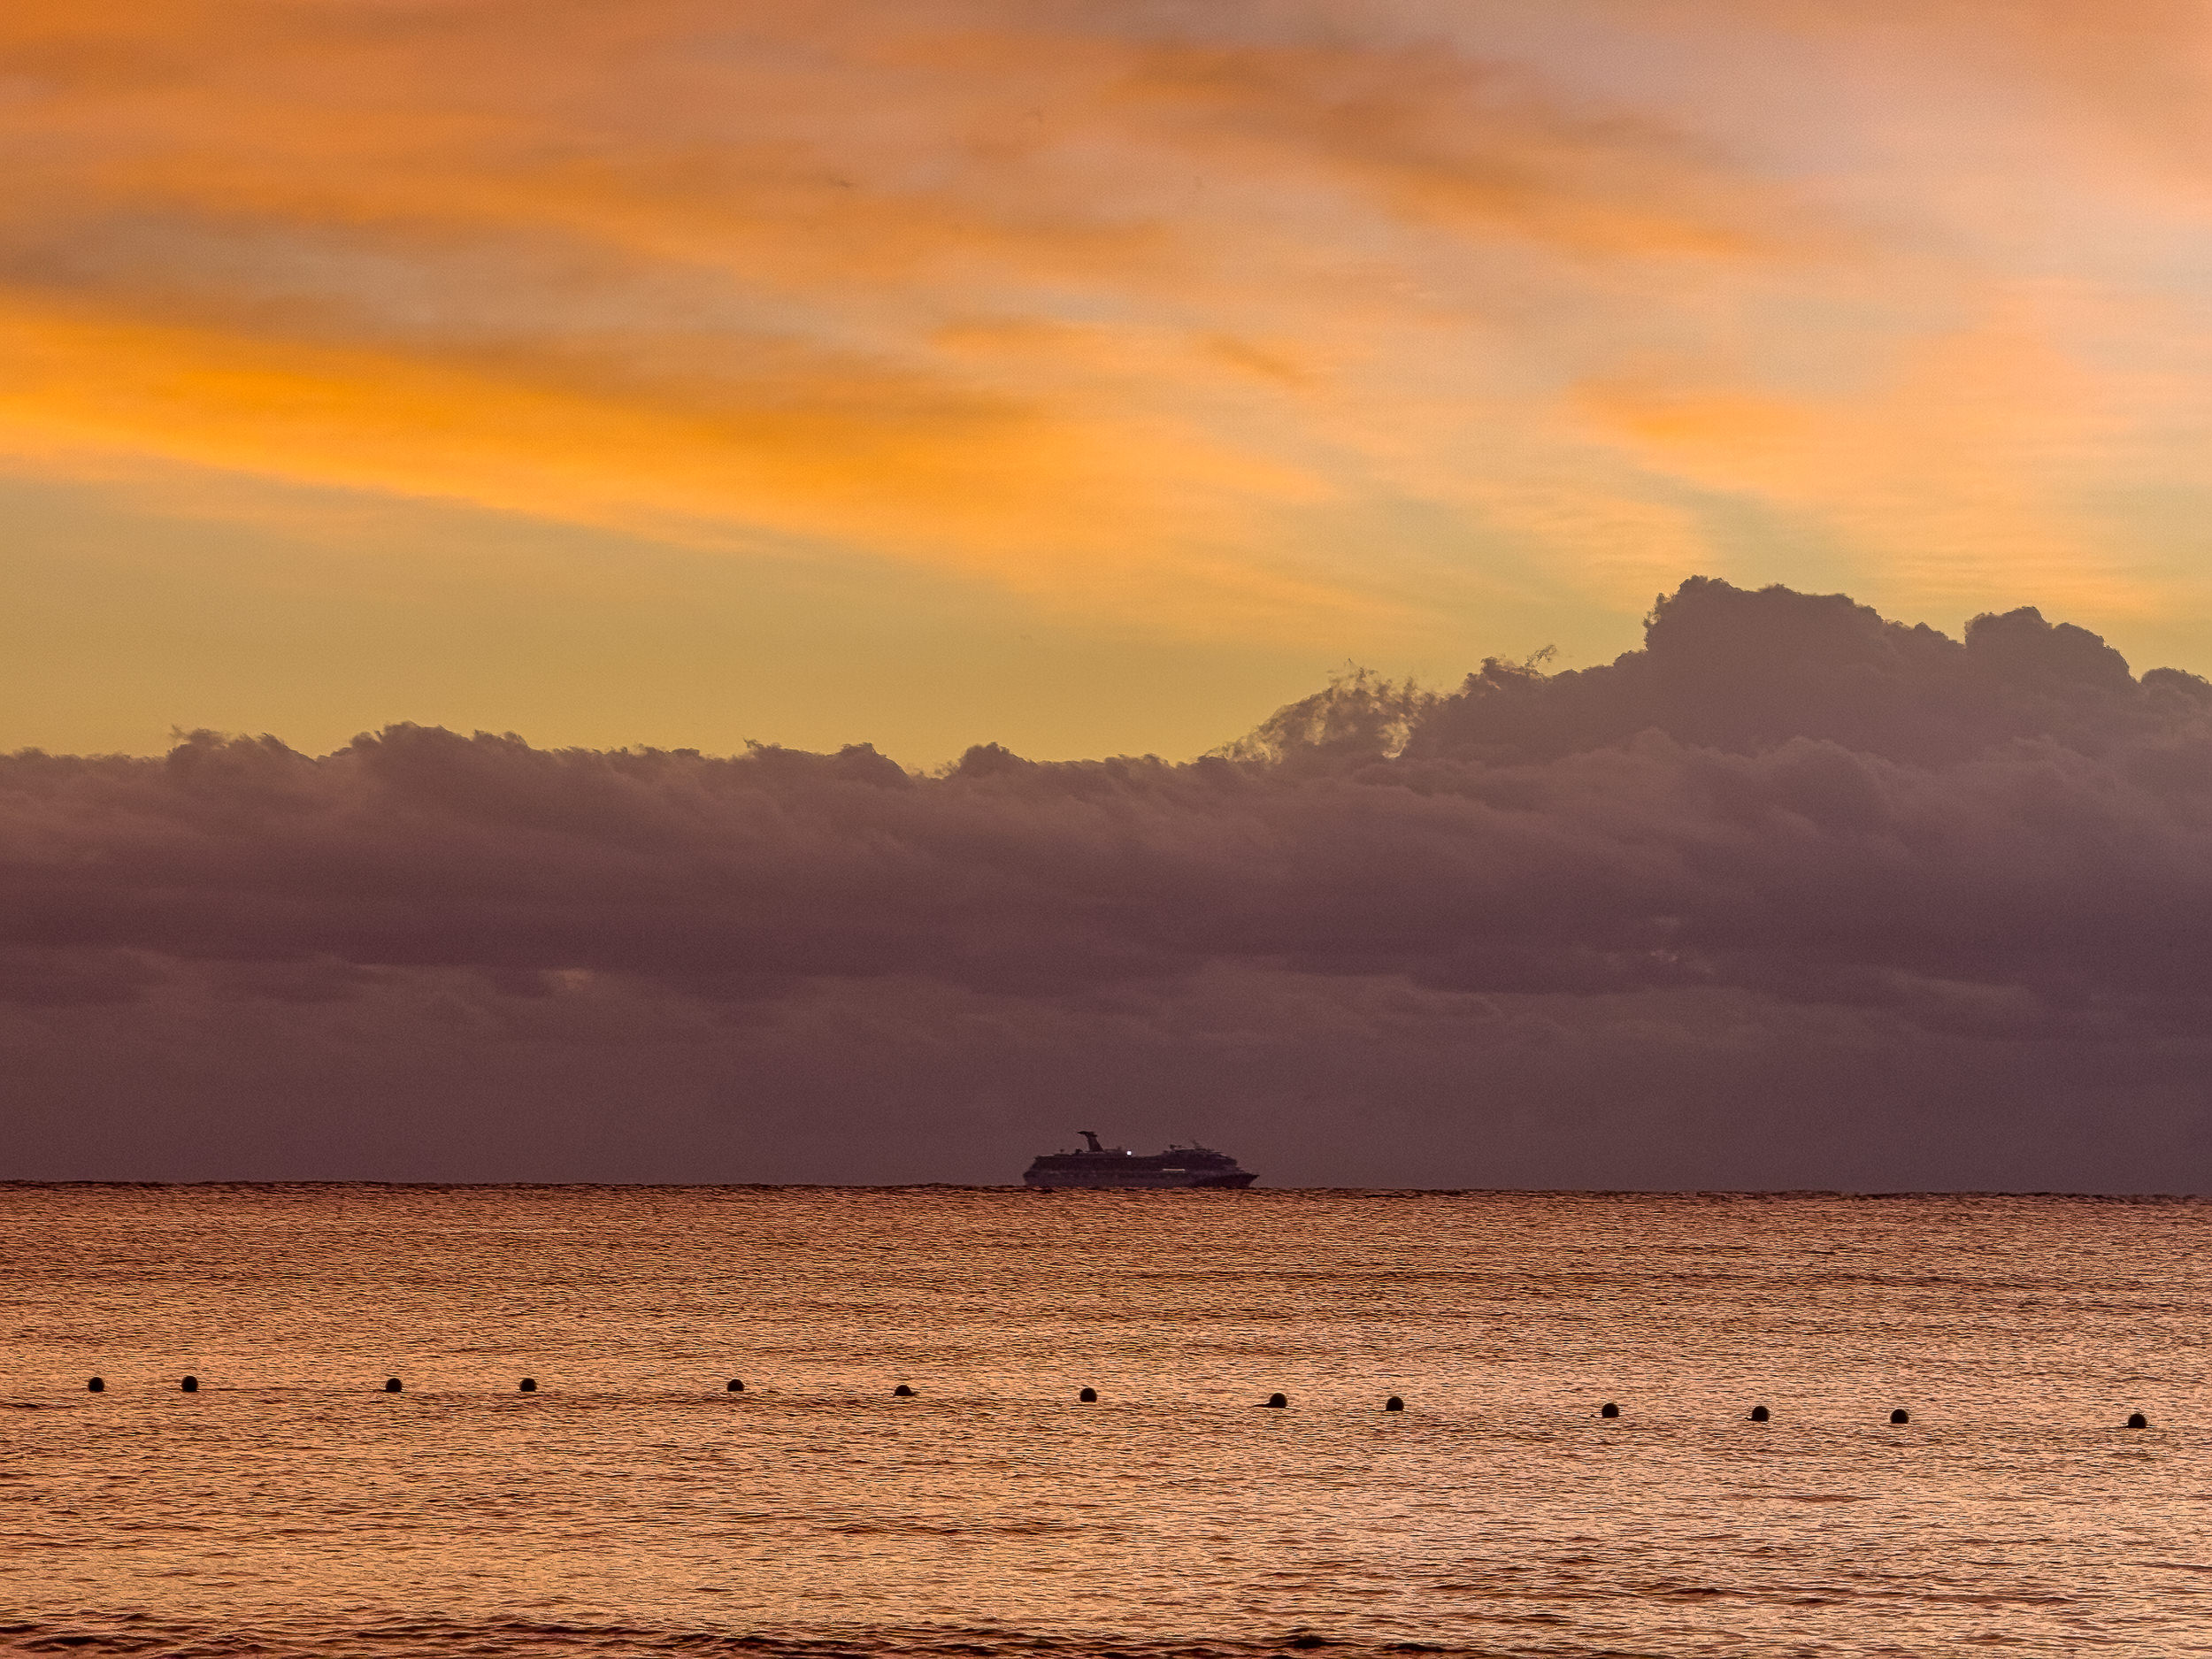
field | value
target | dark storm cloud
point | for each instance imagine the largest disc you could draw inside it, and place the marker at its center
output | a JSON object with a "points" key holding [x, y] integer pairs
{"points": [[1785, 825], [1779, 793]]}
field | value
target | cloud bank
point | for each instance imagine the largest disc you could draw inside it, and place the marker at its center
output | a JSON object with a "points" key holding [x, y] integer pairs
{"points": [[1792, 895]]}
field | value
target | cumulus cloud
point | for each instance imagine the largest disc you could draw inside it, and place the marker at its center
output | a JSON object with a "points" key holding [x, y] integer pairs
{"points": [[1783, 814]]}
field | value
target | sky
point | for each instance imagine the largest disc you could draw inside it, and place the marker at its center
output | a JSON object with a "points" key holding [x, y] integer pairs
{"points": [[1608, 594], [685, 374]]}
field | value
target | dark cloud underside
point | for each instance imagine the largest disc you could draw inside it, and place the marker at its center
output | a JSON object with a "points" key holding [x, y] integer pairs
{"points": [[1793, 895]]}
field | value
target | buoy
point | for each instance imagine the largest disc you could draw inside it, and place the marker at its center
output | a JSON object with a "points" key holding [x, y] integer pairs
{"points": [[1900, 1416], [391, 1384], [2137, 1420], [529, 1385], [1393, 1404], [902, 1392], [96, 1385], [1278, 1400], [1609, 1409], [1758, 1414], [190, 1384], [735, 1388], [1089, 1396]]}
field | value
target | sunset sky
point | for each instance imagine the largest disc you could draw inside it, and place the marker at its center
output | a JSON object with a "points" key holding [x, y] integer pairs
{"points": [[1086, 378], [1083, 450]]}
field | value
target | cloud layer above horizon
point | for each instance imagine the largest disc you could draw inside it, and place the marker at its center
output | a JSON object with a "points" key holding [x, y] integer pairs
{"points": [[1300, 324], [1790, 896]]}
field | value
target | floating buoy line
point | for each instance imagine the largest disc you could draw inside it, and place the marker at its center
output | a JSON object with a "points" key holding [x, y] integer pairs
{"points": [[1898, 1418]]}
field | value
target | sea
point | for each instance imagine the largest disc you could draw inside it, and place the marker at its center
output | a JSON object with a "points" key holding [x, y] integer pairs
{"points": [[635, 1504]]}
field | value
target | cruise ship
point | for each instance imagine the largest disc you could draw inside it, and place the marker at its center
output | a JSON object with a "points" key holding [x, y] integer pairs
{"points": [[1095, 1165]]}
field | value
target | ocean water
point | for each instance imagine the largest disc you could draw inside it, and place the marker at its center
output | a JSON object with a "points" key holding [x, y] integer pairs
{"points": [[634, 1506]]}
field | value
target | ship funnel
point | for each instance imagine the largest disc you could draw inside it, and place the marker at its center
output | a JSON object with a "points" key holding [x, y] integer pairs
{"points": [[1091, 1135]]}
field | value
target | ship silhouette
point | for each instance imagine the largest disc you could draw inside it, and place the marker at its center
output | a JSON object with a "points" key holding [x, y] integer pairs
{"points": [[1095, 1165]]}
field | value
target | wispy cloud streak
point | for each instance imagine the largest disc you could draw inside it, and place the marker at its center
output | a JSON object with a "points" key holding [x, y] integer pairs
{"points": [[1104, 306]]}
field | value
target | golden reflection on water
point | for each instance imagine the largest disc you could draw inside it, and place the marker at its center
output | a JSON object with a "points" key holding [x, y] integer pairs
{"points": [[635, 1503]]}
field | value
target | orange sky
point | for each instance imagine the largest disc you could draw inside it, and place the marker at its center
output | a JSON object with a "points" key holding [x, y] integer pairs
{"points": [[1085, 377]]}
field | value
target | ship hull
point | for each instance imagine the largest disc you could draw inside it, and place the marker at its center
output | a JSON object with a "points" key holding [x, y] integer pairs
{"points": [[1126, 1180]]}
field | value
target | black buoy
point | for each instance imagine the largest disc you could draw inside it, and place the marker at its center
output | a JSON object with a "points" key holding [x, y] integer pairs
{"points": [[735, 1388], [1276, 1402], [1089, 1396], [1900, 1416], [1609, 1409], [1393, 1404], [1758, 1414], [902, 1392], [96, 1385], [391, 1384], [529, 1385], [2137, 1420], [190, 1384]]}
